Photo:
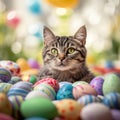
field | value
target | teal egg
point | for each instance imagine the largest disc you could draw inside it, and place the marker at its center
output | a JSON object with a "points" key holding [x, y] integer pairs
{"points": [[111, 83], [39, 107], [35, 118]]}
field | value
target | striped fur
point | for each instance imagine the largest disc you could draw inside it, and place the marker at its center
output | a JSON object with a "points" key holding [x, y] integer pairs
{"points": [[65, 66]]}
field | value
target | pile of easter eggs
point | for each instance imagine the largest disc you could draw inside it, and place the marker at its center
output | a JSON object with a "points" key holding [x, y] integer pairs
{"points": [[48, 99]]}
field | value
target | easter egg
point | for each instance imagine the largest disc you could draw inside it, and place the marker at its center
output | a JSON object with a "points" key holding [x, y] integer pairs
{"points": [[65, 92], [15, 79], [5, 75], [20, 88], [5, 106], [115, 114], [4, 87], [5, 117], [63, 83], [97, 84], [63, 3], [69, 109], [33, 63], [83, 89], [36, 93], [35, 118], [39, 107], [79, 82], [112, 100], [13, 67], [111, 83], [96, 111], [46, 89], [87, 99], [52, 82]]}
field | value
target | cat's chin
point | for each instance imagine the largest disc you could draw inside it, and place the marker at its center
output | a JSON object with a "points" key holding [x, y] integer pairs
{"points": [[62, 68]]}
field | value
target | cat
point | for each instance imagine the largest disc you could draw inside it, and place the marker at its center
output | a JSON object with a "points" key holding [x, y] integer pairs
{"points": [[64, 57]]}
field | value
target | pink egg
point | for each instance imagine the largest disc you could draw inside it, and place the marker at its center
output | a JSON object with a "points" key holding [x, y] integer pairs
{"points": [[83, 89], [52, 82], [5, 117]]}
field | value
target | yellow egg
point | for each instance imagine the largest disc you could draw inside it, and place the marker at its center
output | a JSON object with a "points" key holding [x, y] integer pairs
{"points": [[63, 3]]}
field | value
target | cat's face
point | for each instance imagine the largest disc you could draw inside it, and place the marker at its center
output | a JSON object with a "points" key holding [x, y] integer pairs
{"points": [[64, 52]]}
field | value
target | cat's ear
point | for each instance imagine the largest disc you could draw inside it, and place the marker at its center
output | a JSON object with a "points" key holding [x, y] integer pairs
{"points": [[48, 35], [81, 34]]}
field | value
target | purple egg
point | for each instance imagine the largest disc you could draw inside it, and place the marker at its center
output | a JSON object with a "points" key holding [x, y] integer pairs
{"points": [[97, 84], [33, 63], [115, 114]]}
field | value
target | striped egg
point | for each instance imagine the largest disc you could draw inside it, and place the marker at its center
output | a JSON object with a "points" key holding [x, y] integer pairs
{"points": [[16, 101], [4, 87], [15, 79], [5, 75], [83, 89], [112, 100], [46, 89], [21, 88], [87, 99]]}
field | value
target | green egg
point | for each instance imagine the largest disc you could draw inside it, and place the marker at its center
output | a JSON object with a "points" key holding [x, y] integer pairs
{"points": [[111, 83], [39, 107]]}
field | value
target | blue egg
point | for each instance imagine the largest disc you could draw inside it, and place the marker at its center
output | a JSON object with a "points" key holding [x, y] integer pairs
{"points": [[63, 83], [65, 92], [35, 118], [112, 100]]}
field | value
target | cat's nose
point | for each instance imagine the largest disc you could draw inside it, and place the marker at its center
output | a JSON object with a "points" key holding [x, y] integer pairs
{"points": [[61, 56]]}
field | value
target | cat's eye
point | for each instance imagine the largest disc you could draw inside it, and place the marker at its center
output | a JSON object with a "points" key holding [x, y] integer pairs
{"points": [[54, 51], [70, 50]]}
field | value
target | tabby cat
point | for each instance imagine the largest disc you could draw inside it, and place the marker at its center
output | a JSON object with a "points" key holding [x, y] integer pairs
{"points": [[64, 57]]}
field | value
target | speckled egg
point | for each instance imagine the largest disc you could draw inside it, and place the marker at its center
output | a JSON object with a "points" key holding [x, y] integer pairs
{"points": [[66, 91], [111, 83], [15, 79], [83, 89], [115, 114], [63, 83], [97, 84], [46, 89], [13, 67], [79, 83], [21, 88], [112, 100], [39, 107], [69, 109], [4, 87], [87, 99], [5, 117], [96, 111], [5, 106], [52, 82], [5, 75]]}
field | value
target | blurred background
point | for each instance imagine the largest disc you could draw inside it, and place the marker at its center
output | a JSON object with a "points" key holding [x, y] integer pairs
{"points": [[22, 21]]}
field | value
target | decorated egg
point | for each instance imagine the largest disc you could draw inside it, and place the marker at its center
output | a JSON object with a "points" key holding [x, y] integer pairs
{"points": [[36, 93], [13, 67], [33, 63], [52, 82], [20, 88], [87, 99], [5, 106], [5, 117], [111, 83], [5, 75], [96, 111], [39, 107], [112, 100], [69, 109], [83, 89], [79, 82], [16, 101], [65, 92], [63, 83], [97, 84], [15, 79], [46, 89], [4, 87], [115, 114]]}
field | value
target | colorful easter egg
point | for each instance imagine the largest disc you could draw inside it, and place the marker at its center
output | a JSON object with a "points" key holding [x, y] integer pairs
{"points": [[52, 82], [83, 89], [5, 75], [4, 87], [69, 109], [36, 93], [33, 63], [65, 92], [5, 117], [112, 100], [97, 84], [79, 82], [20, 88], [13, 67], [96, 111], [16, 101], [5, 106], [87, 99], [15, 79], [111, 83], [39, 107], [46, 89], [64, 83], [115, 114], [35, 118]]}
